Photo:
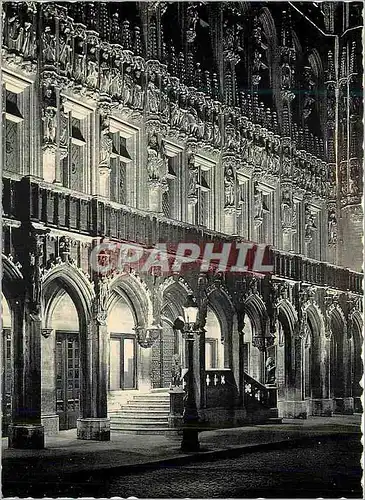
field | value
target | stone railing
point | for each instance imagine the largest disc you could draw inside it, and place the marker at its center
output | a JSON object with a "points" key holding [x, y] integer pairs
{"points": [[96, 217], [221, 389], [257, 394]]}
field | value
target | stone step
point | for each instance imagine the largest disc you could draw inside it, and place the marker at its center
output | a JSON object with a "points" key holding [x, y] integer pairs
{"points": [[145, 405], [143, 411], [152, 398], [122, 416], [275, 420], [131, 423], [150, 431]]}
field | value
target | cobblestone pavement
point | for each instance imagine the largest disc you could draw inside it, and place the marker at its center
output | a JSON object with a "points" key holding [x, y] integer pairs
{"points": [[327, 467]]}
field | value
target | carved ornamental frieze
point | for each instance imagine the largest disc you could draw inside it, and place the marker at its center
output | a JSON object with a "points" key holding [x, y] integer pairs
{"points": [[100, 57]]}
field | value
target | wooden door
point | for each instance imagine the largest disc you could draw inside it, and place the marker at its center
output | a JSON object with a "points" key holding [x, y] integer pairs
{"points": [[67, 378], [7, 378]]}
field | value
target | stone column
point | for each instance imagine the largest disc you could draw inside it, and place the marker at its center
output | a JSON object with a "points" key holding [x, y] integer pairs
{"points": [[144, 363], [27, 431], [50, 419], [94, 423]]}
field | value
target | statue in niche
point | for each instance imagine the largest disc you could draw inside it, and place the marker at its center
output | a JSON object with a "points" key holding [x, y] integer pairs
{"points": [[15, 33], [137, 99], [127, 86], [50, 125], [79, 59], [92, 74], [176, 371], [153, 157], [175, 114], [116, 81], [49, 45], [153, 97], [30, 42], [105, 73], [193, 175], [286, 209], [106, 144], [270, 370], [332, 227], [229, 187], [310, 225], [65, 50], [104, 292]]}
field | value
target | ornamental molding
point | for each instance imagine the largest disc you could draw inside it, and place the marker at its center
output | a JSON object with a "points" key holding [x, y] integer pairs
{"points": [[94, 71]]}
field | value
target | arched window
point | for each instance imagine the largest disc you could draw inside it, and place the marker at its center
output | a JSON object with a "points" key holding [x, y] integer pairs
{"points": [[214, 348]]}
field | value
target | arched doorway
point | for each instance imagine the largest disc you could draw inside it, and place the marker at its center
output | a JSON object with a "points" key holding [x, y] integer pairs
{"points": [[7, 365], [252, 356], [61, 373], [122, 346], [214, 345], [357, 365], [314, 368]]}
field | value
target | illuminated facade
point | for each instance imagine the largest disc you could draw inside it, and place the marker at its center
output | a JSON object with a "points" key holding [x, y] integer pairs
{"points": [[179, 122]]}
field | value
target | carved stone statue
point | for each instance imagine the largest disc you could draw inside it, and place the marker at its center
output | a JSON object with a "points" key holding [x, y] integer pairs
{"points": [[50, 127], [229, 187], [29, 42], [176, 371], [105, 73], [106, 144], [65, 50], [15, 33], [270, 370], [310, 225], [332, 227], [104, 292], [137, 99], [92, 74], [127, 86], [49, 45], [153, 96]]}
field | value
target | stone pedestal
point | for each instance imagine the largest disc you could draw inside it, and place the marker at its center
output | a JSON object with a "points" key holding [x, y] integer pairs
{"points": [[49, 164], [358, 405], [155, 197], [343, 406], [96, 429], [51, 424], [230, 220], [293, 409], [321, 407], [176, 407], [26, 436]]}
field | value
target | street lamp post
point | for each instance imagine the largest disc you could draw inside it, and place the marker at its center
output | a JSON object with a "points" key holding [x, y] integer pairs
{"points": [[188, 327]]}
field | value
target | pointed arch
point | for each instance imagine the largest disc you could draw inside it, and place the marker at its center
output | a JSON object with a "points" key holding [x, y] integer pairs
{"points": [[137, 295], [69, 278]]}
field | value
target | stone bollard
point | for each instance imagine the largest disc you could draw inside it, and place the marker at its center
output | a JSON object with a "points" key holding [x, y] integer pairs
{"points": [[176, 407]]}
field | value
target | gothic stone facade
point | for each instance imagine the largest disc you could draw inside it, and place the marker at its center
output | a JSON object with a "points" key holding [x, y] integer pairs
{"points": [[181, 122]]}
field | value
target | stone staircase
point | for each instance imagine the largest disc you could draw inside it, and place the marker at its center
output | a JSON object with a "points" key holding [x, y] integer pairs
{"points": [[144, 413]]}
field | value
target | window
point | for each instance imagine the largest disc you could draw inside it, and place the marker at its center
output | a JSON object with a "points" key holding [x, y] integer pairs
{"points": [[172, 199], [243, 220], [123, 175], [211, 354], [13, 127], [263, 214], [120, 159], [73, 171], [203, 216]]}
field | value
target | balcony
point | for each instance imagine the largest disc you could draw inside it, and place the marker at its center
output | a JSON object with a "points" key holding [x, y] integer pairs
{"points": [[96, 217]]}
